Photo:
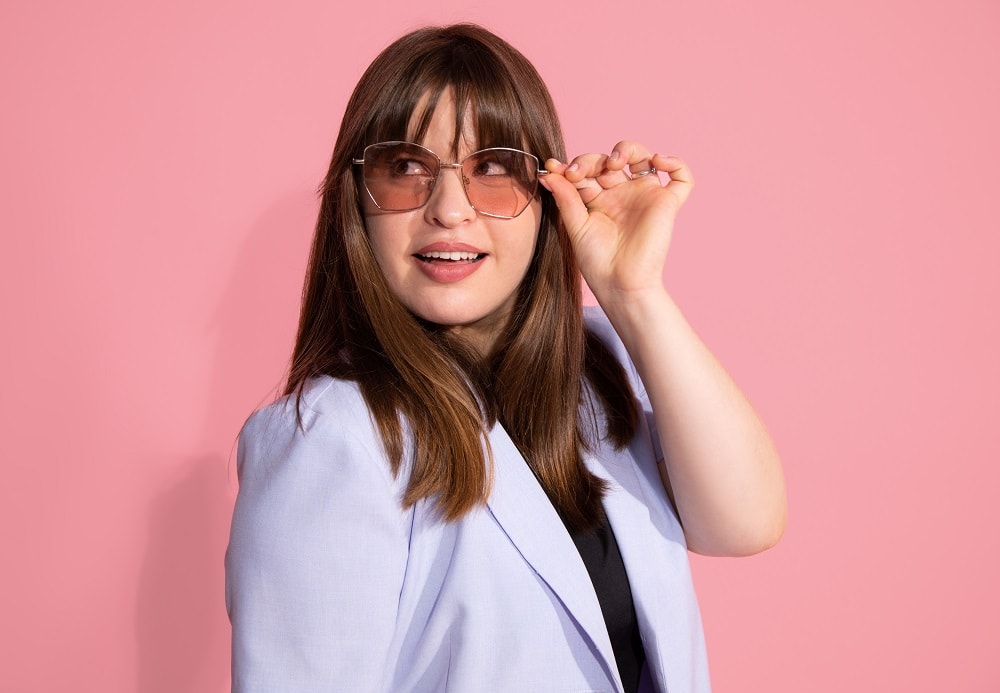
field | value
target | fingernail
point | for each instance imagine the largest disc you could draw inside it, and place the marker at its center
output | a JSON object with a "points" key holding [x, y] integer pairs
{"points": [[615, 155], [573, 167]]}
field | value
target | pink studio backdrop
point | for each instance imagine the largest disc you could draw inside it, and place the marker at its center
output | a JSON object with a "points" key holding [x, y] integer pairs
{"points": [[159, 162]]}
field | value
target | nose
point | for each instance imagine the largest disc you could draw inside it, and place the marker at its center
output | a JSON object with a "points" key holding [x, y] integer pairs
{"points": [[449, 205]]}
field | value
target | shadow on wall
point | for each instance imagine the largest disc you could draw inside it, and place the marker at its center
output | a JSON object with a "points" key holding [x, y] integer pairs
{"points": [[181, 625], [180, 618]]}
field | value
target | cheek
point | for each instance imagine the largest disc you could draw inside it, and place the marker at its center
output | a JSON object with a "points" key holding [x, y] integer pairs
{"points": [[532, 231], [529, 251], [386, 239], [365, 203]]}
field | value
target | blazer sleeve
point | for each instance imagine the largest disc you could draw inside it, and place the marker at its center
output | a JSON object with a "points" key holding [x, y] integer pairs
{"points": [[317, 551]]}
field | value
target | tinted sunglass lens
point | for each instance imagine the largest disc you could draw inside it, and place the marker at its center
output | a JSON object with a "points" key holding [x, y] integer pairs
{"points": [[399, 176], [500, 182]]}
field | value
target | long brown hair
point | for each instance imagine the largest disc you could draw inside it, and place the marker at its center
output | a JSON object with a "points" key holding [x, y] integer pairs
{"points": [[421, 383]]}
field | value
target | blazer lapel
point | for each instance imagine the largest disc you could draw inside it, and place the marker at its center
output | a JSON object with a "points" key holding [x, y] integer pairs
{"points": [[526, 515]]}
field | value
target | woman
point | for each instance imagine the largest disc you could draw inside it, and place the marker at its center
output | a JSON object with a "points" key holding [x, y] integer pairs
{"points": [[470, 485]]}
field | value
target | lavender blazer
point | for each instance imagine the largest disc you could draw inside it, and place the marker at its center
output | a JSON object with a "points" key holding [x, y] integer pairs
{"points": [[332, 586]]}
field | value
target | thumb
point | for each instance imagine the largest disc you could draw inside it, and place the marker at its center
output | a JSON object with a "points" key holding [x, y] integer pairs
{"points": [[571, 208]]}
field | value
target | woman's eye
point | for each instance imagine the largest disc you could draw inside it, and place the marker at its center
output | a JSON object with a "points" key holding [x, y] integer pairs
{"points": [[410, 167], [490, 167]]}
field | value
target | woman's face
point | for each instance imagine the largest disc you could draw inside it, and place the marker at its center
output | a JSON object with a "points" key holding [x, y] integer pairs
{"points": [[446, 263]]}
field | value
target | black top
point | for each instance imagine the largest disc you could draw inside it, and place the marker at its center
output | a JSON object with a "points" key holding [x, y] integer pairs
{"points": [[600, 554]]}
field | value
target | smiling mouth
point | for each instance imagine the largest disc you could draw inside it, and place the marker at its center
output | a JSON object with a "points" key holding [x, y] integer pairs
{"points": [[452, 256]]}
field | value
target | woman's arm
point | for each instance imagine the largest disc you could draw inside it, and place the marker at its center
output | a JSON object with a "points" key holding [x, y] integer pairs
{"points": [[720, 466], [316, 555]]}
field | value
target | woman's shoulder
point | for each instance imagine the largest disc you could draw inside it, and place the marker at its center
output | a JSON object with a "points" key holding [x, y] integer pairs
{"points": [[595, 320], [325, 428], [322, 400], [598, 324]]}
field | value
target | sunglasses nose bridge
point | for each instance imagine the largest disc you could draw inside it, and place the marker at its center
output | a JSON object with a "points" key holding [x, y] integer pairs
{"points": [[459, 169], [458, 166], [462, 178]]}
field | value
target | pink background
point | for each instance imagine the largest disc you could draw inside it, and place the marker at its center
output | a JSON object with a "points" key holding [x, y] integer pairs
{"points": [[158, 168]]}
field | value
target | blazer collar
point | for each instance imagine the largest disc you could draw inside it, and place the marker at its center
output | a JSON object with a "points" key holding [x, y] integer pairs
{"points": [[526, 515]]}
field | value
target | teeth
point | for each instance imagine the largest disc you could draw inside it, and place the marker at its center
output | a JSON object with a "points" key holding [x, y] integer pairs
{"points": [[455, 255]]}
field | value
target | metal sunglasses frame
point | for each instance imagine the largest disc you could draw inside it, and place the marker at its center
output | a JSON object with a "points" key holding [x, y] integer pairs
{"points": [[454, 165]]}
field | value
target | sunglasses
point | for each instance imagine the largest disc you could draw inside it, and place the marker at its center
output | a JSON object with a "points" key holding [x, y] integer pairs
{"points": [[498, 182]]}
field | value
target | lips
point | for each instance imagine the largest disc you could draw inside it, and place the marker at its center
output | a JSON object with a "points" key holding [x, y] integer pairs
{"points": [[445, 251], [446, 262], [452, 256]]}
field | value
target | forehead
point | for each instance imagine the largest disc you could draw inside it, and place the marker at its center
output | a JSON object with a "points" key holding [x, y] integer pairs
{"points": [[439, 125]]}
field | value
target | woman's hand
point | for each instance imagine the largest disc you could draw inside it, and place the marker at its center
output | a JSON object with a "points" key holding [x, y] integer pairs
{"points": [[619, 215]]}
